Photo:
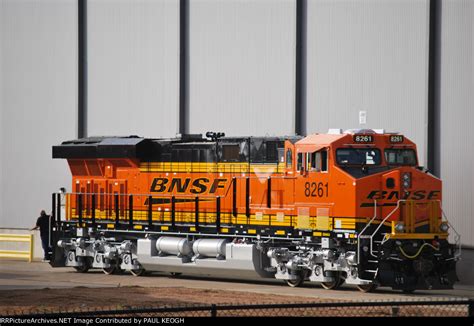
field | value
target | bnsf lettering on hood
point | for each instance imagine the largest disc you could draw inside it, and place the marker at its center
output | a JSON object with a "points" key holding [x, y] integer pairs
{"points": [[414, 195], [182, 185]]}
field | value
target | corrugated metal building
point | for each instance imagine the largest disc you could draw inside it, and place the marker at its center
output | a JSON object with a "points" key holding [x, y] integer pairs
{"points": [[454, 133], [246, 73]]}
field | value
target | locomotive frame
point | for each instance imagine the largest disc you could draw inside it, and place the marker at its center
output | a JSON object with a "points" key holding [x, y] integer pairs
{"points": [[291, 208]]}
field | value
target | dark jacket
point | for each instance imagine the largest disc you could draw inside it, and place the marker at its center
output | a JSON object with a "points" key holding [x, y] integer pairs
{"points": [[43, 223]]}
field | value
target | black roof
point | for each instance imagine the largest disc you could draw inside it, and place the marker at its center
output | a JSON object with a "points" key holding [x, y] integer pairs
{"points": [[98, 147], [149, 149]]}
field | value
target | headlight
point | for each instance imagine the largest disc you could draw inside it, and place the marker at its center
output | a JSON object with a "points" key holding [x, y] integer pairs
{"points": [[406, 180], [444, 227], [400, 227]]}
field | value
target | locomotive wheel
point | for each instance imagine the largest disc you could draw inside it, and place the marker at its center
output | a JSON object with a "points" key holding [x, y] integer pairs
{"points": [[338, 280], [110, 270], [299, 281], [175, 274], [82, 269], [138, 272], [87, 264], [367, 287], [113, 269], [295, 283]]}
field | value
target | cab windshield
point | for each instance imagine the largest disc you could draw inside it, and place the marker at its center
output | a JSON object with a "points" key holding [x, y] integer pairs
{"points": [[400, 157], [358, 156]]}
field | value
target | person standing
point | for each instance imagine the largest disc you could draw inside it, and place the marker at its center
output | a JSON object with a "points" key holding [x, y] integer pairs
{"points": [[43, 224]]}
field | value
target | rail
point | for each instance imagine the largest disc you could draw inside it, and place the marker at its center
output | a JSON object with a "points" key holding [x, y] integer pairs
{"points": [[19, 254]]}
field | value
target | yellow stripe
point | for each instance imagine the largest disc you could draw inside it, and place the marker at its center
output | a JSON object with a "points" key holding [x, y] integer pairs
{"points": [[15, 237], [280, 232], [210, 217], [417, 236], [164, 216], [14, 254], [345, 223], [203, 167]]}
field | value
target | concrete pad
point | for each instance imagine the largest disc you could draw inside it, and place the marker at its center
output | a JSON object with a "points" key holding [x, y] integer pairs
{"points": [[37, 275]]}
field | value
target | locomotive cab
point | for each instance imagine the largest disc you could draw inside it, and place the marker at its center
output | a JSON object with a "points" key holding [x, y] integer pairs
{"points": [[369, 182]]}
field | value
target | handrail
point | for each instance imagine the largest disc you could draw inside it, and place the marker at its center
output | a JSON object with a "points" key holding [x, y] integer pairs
{"points": [[120, 218], [457, 237], [127, 194], [365, 228], [373, 218], [371, 237], [376, 230], [380, 225]]}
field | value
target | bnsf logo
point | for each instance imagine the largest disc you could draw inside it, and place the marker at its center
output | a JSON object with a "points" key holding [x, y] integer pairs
{"points": [[197, 186], [415, 195]]}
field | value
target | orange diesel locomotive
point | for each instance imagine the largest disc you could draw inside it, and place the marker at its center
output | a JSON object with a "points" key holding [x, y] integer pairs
{"points": [[350, 207]]}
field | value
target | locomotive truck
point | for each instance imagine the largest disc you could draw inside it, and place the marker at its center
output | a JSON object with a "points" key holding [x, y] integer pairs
{"points": [[351, 207]]}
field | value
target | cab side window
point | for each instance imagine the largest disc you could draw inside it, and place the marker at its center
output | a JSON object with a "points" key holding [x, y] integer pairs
{"points": [[299, 165], [315, 157], [289, 158], [324, 160], [319, 161]]}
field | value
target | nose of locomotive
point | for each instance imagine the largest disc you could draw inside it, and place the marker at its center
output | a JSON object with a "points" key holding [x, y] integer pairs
{"points": [[414, 197]]}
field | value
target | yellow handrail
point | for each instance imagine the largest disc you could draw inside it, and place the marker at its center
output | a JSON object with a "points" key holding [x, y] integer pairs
{"points": [[26, 254]]}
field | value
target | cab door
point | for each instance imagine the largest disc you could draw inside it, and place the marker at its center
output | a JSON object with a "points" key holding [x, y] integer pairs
{"points": [[312, 187], [317, 188], [312, 176]]}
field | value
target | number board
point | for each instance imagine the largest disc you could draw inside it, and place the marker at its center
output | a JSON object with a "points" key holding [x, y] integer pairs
{"points": [[396, 139], [363, 139]]}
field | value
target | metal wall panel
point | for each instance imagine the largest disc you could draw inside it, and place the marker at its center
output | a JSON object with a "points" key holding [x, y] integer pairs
{"points": [[368, 55], [133, 67], [2, 104], [457, 116], [242, 66], [38, 105]]}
